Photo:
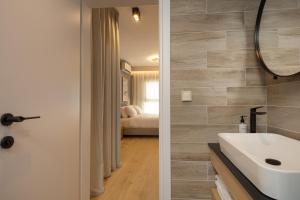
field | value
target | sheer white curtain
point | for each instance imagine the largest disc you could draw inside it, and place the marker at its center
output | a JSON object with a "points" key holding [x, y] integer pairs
{"points": [[145, 89], [105, 136]]}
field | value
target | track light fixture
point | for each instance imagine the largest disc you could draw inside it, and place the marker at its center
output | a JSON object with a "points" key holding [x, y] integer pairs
{"points": [[136, 14]]}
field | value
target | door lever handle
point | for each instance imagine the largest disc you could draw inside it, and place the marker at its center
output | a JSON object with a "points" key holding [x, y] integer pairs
{"points": [[8, 119]]}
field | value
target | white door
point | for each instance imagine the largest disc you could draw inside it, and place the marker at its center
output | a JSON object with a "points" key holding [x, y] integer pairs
{"points": [[40, 75]]}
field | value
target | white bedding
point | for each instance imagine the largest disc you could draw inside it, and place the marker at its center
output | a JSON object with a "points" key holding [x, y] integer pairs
{"points": [[141, 121]]}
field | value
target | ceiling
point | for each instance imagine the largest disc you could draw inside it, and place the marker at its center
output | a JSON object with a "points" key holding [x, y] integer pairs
{"points": [[139, 41], [117, 3]]}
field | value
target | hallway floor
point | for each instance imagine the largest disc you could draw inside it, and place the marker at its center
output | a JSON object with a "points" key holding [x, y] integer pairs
{"points": [[137, 179]]}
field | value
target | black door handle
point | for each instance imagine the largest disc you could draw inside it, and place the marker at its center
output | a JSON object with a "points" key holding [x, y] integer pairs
{"points": [[8, 119], [7, 142]]}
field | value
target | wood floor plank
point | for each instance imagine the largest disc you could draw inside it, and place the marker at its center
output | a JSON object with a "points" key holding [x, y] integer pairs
{"points": [[137, 179]]}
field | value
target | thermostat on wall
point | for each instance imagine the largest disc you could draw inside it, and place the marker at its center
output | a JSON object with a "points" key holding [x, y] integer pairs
{"points": [[186, 96]]}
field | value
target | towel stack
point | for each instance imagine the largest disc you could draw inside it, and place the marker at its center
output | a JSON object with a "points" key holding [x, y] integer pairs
{"points": [[222, 189]]}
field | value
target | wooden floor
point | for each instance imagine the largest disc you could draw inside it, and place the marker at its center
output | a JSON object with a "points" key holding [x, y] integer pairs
{"points": [[137, 179]]}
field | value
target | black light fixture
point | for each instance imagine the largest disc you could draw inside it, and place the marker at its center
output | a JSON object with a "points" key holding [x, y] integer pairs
{"points": [[136, 14]]}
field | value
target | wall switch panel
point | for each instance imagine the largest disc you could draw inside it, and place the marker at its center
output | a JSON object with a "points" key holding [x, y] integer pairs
{"points": [[186, 96]]}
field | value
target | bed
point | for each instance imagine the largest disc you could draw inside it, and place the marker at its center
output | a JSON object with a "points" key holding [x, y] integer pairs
{"points": [[141, 124]]}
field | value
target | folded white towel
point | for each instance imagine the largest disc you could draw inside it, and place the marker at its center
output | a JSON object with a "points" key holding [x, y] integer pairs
{"points": [[222, 189], [219, 190]]}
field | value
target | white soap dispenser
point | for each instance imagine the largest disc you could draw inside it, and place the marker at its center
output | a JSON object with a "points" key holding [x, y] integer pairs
{"points": [[243, 126]]}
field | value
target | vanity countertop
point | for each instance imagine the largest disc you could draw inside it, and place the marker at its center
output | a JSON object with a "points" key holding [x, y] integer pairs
{"points": [[244, 181]]}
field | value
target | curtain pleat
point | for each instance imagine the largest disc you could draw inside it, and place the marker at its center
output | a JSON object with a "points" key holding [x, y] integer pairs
{"points": [[139, 78], [105, 136]]}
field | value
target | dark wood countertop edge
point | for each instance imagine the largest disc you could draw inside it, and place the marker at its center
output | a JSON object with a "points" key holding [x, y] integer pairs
{"points": [[244, 181]]}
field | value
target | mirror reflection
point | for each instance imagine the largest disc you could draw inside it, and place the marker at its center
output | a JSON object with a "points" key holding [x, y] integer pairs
{"points": [[279, 40]]}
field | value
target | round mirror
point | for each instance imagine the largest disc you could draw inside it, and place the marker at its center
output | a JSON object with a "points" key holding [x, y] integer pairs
{"points": [[277, 39]]}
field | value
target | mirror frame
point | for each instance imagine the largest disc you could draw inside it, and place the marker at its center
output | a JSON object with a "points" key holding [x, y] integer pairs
{"points": [[257, 44]]}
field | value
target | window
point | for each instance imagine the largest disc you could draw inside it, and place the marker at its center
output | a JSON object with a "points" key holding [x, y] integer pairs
{"points": [[151, 104]]}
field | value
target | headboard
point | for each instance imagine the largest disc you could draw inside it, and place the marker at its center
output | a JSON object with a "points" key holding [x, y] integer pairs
{"points": [[124, 103]]}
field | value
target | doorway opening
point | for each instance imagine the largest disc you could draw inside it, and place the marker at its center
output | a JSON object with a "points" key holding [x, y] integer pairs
{"points": [[125, 103]]}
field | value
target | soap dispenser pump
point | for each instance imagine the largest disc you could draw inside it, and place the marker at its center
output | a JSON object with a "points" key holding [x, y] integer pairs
{"points": [[243, 126]]}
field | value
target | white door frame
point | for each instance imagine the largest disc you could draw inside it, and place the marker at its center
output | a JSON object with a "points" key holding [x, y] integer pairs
{"points": [[164, 130], [164, 122], [85, 99]]}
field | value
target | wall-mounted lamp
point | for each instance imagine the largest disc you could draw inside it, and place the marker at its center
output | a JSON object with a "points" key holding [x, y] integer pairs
{"points": [[154, 58], [136, 14]]}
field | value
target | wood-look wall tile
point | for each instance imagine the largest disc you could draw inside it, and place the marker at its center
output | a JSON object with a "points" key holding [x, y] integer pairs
{"points": [[281, 4], [289, 38], [188, 50], [284, 94], [212, 49], [271, 81], [281, 56], [213, 77], [250, 21], [240, 39], [231, 58], [200, 133], [260, 128], [284, 132], [246, 5], [206, 22], [245, 39], [211, 172], [231, 115], [198, 41], [247, 95], [188, 59], [189, 115], [255, 77], [189, 170], [190, 151], [201, 96], [187, 7], [281, 69], [284, 118], [186, 189], [214, 6], [288, 18]]}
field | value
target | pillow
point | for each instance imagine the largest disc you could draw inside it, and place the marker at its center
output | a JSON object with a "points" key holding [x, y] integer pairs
{"points": [[131, 112], [138, 110], [123, 113]]}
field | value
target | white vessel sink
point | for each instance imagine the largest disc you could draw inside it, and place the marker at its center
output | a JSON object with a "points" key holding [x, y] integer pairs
{"points": [[249, 151]]}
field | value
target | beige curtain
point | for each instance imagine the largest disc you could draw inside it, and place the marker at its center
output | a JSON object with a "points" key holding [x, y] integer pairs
{"points": [[139, 79], [105, 138]]}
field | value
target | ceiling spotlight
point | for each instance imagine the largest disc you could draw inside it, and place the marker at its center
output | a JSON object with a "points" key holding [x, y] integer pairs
{"points": [[136, 14]]}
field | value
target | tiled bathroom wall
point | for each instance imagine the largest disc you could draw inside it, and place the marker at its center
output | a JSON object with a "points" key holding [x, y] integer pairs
{"points": [[212, 55], [283, 93], [284, 106]]}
